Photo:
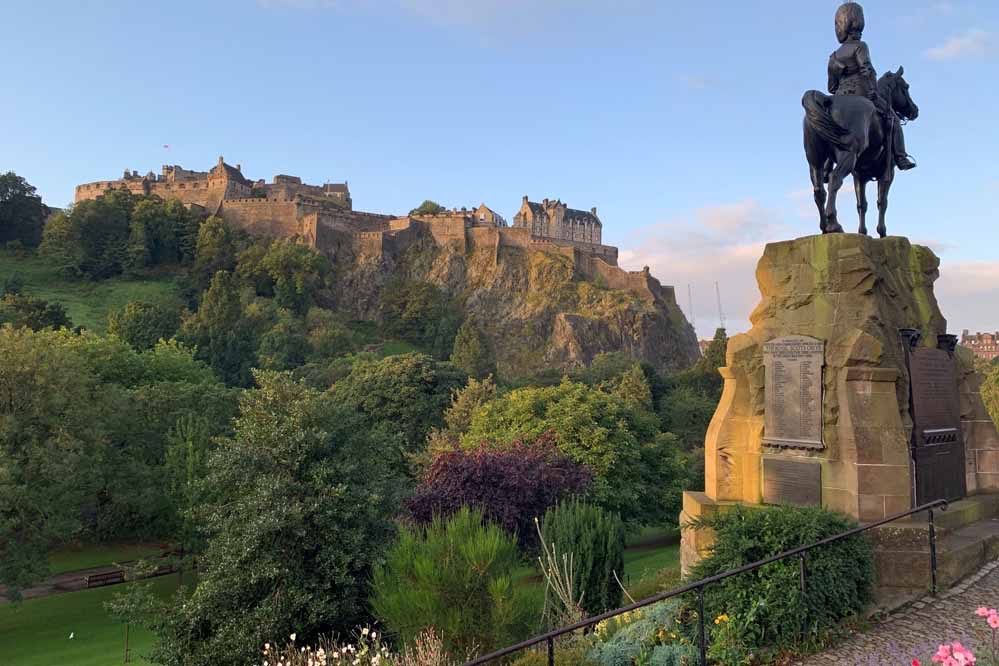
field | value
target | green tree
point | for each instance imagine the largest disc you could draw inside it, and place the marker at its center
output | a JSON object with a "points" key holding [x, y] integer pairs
{"points": [[51, 436], [291, 272], [638, 470], [222, 337], [990, 392], [472, 351], [61, 245], [714, 355], [142, 324], [22, 213], [34, 313], [406, 393], [420, 313], [428, 207], [458, 577], [217, 248], [299, 506]]}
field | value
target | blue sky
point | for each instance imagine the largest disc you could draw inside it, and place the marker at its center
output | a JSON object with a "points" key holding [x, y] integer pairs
{"points": [[680, 121]]}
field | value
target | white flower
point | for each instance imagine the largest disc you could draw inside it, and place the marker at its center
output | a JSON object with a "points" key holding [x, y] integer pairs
{"points": [[71, 634], [293, 637], [364, 632], [374, 635]]}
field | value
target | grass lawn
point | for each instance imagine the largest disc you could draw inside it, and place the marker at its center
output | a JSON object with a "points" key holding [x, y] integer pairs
{"points": [[36, 632], [85, 556], [87, 302]]}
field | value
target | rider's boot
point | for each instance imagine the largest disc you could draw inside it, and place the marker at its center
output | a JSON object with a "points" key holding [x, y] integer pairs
{"points": [[904, 162], [902, 159]]}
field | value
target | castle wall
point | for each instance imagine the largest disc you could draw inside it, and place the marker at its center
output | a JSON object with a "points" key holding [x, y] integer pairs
{"points": [[264, 217]]}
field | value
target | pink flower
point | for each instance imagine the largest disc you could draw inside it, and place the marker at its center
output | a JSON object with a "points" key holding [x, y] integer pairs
{"points": [[993, 621], [942, 653], [984, 612], [915, 662]]}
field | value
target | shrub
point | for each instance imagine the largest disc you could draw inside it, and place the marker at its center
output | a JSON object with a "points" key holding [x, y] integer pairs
{"points": [[648, 636], [511, 487], [30, 312], [142, 325], [472, 351], [571, 654], [764, 608], [636, 468], [456, 576], [595, 538]]}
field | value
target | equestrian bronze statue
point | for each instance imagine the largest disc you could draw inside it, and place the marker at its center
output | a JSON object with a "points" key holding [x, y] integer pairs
{"points": [[858, 129]]}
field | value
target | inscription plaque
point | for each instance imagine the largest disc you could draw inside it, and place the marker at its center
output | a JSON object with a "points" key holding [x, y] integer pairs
{"points": [[793, 482], [935, 399], [793, 392], [937, 444]]}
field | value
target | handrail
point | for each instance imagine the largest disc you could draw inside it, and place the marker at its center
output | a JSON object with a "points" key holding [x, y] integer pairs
{"points": [[699, 585]]}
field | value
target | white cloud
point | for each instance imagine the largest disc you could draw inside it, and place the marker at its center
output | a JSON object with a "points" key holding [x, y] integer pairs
{"points": [[975, 42], [968, 294], [719, 243]]}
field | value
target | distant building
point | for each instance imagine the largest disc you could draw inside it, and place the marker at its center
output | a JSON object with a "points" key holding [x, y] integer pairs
{"points": [[553, 219], [704, 344], [982, 345]]}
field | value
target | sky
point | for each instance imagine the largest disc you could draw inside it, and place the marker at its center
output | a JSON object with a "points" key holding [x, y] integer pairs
{"points": [[679, 121]]}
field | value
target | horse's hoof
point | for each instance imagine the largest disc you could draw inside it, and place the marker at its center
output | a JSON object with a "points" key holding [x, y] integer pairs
{"points": [[862, 231]]}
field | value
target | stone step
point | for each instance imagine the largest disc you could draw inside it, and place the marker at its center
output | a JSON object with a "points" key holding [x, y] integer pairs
{"points": [[958, 514], [902, 558]]}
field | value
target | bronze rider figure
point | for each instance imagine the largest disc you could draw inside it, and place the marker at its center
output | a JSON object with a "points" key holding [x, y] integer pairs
{"points": [[851, 73]]}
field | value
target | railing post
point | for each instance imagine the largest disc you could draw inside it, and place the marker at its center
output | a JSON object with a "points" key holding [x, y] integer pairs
{"points": [[803, 588], [933, 553], [551, 651], [700, 620]]}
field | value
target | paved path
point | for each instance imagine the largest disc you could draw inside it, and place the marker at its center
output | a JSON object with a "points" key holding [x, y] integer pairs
{"points": [[914, 632]]}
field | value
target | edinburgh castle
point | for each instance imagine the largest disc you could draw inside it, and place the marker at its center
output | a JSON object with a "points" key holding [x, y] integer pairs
{"points": [[323, 216]]}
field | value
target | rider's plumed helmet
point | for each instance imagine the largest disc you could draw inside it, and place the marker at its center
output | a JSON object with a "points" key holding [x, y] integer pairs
{"points": [[849, 21]]}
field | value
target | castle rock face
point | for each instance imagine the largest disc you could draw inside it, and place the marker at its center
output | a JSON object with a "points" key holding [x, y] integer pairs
{"points": [[469, 252]]}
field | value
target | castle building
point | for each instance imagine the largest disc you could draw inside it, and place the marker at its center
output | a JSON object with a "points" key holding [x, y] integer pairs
{"points": [[553, 219], [323, 217], [982, 345], [210, 189]]}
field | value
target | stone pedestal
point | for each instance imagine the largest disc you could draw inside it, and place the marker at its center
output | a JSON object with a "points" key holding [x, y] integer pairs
{"points": [[853, 294]]}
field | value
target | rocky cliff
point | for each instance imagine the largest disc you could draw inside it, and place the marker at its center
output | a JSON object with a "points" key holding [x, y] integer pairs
{"points": [[537, 313]]}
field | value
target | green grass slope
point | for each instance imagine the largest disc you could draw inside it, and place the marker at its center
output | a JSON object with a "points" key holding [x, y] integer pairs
{"points": [[36, 632], [87, 303]]}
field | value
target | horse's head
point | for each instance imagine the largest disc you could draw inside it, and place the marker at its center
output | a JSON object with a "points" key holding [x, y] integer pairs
{"points": [[895, 89]]}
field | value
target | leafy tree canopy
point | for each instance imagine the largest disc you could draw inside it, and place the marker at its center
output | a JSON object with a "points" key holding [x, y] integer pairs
{"points": [[406, 393], [472, 351], [22, 213], [299, 507], [636, 467], [142, 324], [428, 207]]}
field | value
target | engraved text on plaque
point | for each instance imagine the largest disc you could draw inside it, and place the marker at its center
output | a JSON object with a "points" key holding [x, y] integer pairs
{"points": [[793, 392], [798, 483]]}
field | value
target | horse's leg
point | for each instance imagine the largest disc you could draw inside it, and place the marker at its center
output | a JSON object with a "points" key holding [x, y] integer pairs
{"points": [[883, 186], [860, 187], [844, 165], [817, 172]]}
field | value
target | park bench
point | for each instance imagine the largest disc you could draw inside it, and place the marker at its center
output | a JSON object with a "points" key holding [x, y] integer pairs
{"points": [[107, 578]]}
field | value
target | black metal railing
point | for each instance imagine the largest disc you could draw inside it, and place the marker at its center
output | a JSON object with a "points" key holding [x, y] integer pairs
{"points": [[699, 585]]}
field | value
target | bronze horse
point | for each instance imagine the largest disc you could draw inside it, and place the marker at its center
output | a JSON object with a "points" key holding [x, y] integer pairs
{"points": [[845, 134]]}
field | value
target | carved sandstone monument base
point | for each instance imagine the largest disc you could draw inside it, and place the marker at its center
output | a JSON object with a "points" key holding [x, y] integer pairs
{"points": [[816, 403]]}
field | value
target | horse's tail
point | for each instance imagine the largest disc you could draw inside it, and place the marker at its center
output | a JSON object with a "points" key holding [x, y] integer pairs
{"points": [[820, 119]]}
